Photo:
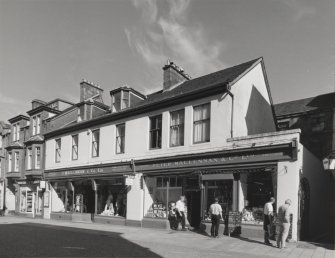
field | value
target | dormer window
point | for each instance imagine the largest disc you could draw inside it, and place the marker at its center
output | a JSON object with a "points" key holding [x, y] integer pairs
{"points": [[16, 132], [36, 124]]}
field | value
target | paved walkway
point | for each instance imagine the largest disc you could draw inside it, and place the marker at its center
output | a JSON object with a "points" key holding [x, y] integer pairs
{"points": [[189, 244]]}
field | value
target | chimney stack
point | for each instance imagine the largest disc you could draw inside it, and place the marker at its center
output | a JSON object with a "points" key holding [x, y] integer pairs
{"points": [[89, 90], [173, 75]]}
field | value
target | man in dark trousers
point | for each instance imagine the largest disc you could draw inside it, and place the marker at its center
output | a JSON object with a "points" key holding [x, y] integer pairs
{"points": [[215, 211], [268, 216]]}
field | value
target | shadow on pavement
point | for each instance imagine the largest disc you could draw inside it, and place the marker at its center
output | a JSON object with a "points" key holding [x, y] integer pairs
{"points": [[31, 239]]}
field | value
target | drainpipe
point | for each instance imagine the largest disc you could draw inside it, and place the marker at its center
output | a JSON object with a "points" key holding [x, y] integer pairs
{"points": [[232, 111]]}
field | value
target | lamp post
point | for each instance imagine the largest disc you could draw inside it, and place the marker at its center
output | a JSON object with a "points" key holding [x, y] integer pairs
{"points": [[329, 163]]}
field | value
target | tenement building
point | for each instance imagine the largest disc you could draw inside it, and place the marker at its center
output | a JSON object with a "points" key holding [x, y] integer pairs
{"points": [[23, 158], [211, 136]]}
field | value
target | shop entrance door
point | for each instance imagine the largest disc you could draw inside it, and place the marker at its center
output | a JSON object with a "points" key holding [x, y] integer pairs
{"points": [[38, 203], [88, 198], [194, 207]]}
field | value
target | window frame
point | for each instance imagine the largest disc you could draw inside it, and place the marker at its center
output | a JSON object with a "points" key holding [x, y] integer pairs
{"points": [[94, 140], [120, 137], [29, 158], [37, 155], [16, 161], [75, 147], [180, 125], [58, 150], [156, 129], [10, 161], [206, 120]]}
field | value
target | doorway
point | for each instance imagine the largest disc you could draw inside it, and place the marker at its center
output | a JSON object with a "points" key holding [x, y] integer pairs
{"points": [[304, 197], [194, 207]]}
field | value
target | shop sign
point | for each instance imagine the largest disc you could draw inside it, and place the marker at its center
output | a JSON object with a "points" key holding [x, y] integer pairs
{"points": [[42, 184], [87, 171], [129, 180], [220, 160]]}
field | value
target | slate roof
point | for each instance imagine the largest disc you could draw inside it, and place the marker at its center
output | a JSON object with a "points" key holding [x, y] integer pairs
{"points": [[305, 105], [15, 145], [35, 138], [199, 85], [208, 81]]}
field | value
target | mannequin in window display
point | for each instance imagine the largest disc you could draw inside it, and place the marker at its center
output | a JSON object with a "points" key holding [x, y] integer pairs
{"points": [[121, 204], [109, 207]]}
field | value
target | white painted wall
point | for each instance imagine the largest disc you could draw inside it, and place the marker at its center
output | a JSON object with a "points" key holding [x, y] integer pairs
{"points": [[135, 200], [10, 200]]}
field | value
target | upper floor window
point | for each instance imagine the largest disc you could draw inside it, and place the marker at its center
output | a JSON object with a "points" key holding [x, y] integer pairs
{"points": [[177, 128], [201, 123], [283, 125], [156, 132], [318, 123], [16, 132], [16, 161], [120, 138], [38, 158], [95, 142], [10, 162], [75, 147], [36, 124], [125, 99], [29, 158], [58, 150]]}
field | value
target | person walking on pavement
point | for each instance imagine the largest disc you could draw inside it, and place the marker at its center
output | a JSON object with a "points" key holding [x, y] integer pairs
{"points": [[283, 223], [215, 211], [181, 209], [268, 217]]}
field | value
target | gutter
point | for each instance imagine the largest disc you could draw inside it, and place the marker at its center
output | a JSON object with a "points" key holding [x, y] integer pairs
{"points": [[232, 111]]}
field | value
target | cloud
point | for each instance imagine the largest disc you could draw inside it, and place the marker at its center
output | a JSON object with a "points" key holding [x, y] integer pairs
{"points": [[300, 10], [168, 33], [7, 100]]}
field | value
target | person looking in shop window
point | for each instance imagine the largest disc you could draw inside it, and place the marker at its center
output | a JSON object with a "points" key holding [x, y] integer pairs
{"points": [[215, 210], [268, 217], [283, 223], [181, 210]]}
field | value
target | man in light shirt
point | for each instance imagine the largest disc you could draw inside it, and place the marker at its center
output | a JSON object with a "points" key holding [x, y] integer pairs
{"points": [[283, 223], [181, 210], [268, 215], [215, 211]]}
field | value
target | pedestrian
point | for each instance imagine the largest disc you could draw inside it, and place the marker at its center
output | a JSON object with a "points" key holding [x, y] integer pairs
{"points": [[181, 209], [172, 217], [215, 211], [283, 223], [268, 217]]}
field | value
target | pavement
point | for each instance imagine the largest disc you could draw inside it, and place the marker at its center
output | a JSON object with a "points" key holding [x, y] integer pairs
{"points": [[26, 237]]}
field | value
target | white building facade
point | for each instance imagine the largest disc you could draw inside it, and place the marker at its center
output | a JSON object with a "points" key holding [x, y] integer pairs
{"points": [[212, 136]]}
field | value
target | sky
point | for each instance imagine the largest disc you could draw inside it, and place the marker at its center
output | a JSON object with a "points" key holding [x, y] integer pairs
{"points": [[48, 46]]}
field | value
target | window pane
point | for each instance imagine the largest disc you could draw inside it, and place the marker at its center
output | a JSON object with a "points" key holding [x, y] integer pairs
{"points": [[173, 182], [165, 180], [95, 143], [159, 182]]}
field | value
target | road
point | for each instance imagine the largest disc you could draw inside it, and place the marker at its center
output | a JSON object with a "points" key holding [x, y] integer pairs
{"points": [[47, 238]]}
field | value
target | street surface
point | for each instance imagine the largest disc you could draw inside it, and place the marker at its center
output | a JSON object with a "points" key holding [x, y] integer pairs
{"points": [[48, 238]]}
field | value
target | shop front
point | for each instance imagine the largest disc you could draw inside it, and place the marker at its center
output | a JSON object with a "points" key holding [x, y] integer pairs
{"points": [[243, 179], [29, 198], [91, 194]]}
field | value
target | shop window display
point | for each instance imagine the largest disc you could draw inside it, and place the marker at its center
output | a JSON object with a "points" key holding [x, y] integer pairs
{"points": [[257, 189], [221, 189], [164, 192], [112, 198]]}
